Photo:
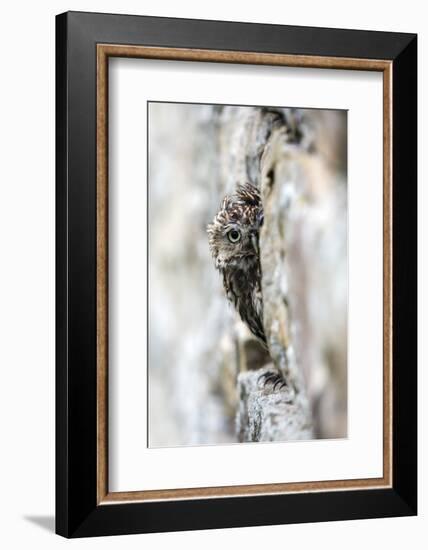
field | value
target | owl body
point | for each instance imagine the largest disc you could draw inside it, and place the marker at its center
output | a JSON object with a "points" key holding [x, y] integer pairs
{"points": [[234, 244]]}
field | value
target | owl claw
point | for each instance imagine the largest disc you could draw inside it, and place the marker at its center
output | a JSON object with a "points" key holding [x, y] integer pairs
{"points": [[265, 375], [273, 377], [281, 384]]}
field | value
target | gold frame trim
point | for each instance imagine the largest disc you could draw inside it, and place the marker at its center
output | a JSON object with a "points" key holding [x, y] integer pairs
{"points": [[104, 51]]}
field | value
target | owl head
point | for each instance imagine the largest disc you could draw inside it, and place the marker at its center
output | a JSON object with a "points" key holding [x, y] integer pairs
{"points": [[234, 233]]}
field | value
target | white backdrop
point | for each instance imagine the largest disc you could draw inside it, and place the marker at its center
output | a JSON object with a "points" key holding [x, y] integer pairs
{"points": [[27, 273], [132, 465]]}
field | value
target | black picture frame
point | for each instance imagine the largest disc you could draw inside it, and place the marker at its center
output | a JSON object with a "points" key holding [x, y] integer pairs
{"points": [[78, 513]]}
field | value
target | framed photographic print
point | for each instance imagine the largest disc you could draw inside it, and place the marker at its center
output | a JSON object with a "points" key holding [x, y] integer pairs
{"points": [[236, 274]]}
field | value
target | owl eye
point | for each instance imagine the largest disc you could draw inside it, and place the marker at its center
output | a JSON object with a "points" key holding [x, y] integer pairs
{"points": [[234, 235]]}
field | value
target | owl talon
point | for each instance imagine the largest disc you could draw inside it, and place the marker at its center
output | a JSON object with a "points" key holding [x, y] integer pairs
{"points": [[274, 378], [281, 384], [267, 376]]}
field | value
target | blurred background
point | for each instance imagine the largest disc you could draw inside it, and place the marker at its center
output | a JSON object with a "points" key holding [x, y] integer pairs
{"points": [[197, 344]]}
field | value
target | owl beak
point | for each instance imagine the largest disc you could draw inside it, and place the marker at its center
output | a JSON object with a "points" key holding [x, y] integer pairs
{"points": [[255, 243]]}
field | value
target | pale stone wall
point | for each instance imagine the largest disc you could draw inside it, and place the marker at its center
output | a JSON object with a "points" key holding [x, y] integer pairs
{"points": [[205, 366]]}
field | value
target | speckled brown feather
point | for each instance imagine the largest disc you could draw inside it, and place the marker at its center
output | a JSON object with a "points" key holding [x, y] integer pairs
{"points": [[239, 263]]}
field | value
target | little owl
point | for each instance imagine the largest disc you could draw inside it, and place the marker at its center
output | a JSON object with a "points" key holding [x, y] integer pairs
{"points": [[234, 244]]}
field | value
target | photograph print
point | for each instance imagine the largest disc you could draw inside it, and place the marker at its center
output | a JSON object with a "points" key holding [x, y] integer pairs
{"points": [[247, 274]]}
